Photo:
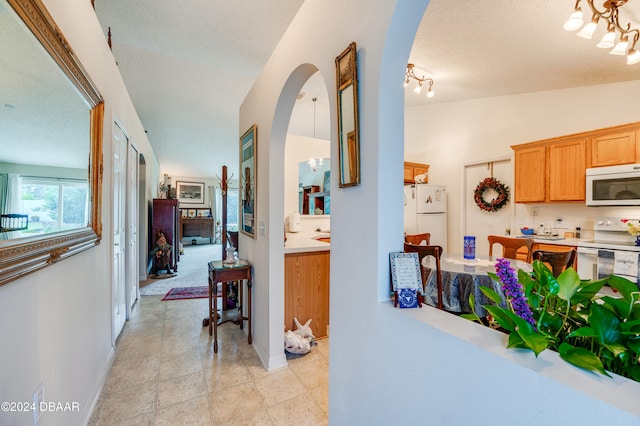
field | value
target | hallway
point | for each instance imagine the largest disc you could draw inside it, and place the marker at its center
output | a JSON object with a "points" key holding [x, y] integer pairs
{"points": [[166, 373]]}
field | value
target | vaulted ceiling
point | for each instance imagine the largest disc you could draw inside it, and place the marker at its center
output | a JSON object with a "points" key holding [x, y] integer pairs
{"points": [[188, 65]]}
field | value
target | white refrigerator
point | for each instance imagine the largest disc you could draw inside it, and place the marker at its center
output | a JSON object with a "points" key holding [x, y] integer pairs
{"points": [[425, 210]]}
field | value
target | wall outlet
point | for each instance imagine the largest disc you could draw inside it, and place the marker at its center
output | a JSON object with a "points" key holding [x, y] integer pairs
{"points": [[535, 211], [38, 398]]}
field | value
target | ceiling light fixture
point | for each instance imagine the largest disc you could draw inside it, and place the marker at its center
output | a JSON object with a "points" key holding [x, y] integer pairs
{"points": [[410, 74], [627, 37], [314, 164]]}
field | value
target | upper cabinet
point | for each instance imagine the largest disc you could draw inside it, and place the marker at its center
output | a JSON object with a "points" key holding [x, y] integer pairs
{"points": [[411, 170], [616, 147], [553, 170]]}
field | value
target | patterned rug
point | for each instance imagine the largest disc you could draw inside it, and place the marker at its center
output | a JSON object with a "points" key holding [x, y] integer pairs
{"points": [[187, 293]]}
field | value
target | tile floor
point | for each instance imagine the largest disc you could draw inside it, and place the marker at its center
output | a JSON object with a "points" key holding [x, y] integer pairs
{"points": [[166, 373]]}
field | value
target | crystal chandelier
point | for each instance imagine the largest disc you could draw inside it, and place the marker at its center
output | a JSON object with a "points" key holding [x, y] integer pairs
{"points": [[627, 37]]}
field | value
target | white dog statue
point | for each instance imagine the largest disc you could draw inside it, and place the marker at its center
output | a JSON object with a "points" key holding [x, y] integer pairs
{"points": [[299, 341]]}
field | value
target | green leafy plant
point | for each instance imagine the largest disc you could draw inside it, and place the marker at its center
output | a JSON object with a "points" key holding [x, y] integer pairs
{"points": [[568, 315]]}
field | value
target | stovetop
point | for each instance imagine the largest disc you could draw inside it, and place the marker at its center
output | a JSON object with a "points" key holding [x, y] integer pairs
{"points": [[612, 233]]}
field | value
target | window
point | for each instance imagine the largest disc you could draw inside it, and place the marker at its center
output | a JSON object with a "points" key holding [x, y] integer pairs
{"points": [[54, 204], [232, 209]]}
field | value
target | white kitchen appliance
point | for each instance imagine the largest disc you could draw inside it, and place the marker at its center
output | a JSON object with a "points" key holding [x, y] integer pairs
{"points": [[613, 186], [612, 251], [425, 210]]}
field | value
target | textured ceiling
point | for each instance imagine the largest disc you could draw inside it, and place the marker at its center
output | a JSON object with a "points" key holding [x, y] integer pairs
{"points": [[188, 65]]}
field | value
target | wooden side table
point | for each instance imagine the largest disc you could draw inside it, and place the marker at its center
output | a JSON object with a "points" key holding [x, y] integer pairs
{"points": [[220, 272]]}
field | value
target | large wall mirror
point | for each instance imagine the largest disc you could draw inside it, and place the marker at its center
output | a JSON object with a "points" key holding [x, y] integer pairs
{"points": [[51, 162], [314, 188], [348, 126]]}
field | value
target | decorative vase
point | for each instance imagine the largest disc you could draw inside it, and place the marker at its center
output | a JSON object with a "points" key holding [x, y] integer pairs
{"points": [[638, 240]]}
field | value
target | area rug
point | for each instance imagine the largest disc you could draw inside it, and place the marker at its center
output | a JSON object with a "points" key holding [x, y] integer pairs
{"points": [[187, 293]]}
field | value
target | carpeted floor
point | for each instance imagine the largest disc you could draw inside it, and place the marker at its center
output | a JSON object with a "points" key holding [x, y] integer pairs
{"points": [[192, 270]]}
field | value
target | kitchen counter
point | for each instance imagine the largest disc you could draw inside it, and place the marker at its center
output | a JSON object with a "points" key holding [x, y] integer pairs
{"points": [[560, 241], [304, 242]]}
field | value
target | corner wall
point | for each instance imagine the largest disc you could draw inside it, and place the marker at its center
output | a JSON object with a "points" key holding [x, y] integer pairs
{"points": [[56, 323]]}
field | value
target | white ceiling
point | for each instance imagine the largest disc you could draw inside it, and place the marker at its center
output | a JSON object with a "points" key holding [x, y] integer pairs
{"points": [[188, 65]]}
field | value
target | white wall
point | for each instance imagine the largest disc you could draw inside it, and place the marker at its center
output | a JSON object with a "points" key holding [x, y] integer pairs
{"points": [[387, 366], [56, 323], [461, 132]]}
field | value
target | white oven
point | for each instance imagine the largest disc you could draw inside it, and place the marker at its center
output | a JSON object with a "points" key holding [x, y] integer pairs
{"points": [[612, 251], [613, 186]]}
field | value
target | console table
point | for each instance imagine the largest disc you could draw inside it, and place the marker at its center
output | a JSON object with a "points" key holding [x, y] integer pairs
{"points": [[197, 227], [221, 273]]}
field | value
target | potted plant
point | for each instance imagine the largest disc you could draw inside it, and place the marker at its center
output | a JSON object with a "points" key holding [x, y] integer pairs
{"points": [[570, 316]]}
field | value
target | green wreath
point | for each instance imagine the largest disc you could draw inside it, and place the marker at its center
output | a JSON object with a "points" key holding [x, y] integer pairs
{"points": [[498, 202]]}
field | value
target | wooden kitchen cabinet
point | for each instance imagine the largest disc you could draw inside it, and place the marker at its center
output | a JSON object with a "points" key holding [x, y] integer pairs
{"points": [[615, 148], [567, 165], [411, 170], [530, 174], [306, 291]]}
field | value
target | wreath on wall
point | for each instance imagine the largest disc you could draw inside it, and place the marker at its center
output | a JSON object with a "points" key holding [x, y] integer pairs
{"points": [[497, 203]]}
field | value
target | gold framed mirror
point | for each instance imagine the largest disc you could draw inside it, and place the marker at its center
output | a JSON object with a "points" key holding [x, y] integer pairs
{"points": [[348, 121], [34, 42]]}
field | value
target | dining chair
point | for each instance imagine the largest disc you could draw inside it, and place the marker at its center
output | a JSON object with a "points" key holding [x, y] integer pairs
{"points": [[559, 261], [418, 239], [424, 251], [510, 246]]}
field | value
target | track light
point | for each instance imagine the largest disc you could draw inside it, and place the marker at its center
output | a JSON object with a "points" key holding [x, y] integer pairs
{"points": [[410, 74], [627, 37]]}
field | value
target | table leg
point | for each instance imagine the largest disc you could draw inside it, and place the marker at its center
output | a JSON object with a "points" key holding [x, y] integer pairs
{"points": [[210, 306], [214, 320], [249, 285]]}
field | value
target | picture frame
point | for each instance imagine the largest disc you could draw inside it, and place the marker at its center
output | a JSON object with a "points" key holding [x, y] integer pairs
{"points": [[405, 271], [191, 213], [248, 181], [190, 192]]}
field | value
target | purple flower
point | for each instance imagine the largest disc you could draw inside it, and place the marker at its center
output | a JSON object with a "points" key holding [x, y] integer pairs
{"points": [[512, 289]]}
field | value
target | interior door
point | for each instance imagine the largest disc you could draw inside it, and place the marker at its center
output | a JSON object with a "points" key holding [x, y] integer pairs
{"points": [[481, 223], [119, 152], [132, 287]]}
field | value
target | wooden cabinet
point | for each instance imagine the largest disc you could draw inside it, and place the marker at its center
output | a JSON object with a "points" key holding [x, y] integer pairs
{"points": [[554, 170], [306, 291], [197, 227], [165, 219], [530, 174], [567, 165], [305, 207], [615, 147], [411, 170]]}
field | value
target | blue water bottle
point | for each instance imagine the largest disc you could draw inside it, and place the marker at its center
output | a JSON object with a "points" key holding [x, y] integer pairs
{"points": [[469, 247]]}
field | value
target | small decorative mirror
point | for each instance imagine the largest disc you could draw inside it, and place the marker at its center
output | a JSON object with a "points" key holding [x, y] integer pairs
{"points": [[348, 123]]}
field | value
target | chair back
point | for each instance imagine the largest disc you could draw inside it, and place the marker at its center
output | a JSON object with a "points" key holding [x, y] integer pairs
{"points": [[510, 246], [418, 239], [424, 251], [13, 222], [559, 261]]}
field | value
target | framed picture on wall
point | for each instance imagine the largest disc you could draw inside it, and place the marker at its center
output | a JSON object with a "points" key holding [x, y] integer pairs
{"points": [[190, 192], [248, 181]]}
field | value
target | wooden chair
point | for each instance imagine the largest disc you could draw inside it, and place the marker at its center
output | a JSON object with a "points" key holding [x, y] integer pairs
{"points": [[510, 246], [424, 251], [417, 239], [559, 261], [14, 222]]}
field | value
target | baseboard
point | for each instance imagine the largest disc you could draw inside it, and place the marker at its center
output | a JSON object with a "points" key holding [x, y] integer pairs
{"points": [[95, 394]]}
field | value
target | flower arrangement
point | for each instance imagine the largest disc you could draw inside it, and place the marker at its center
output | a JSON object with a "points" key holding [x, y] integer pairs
{"points": [[567, 315], [497, 203]]}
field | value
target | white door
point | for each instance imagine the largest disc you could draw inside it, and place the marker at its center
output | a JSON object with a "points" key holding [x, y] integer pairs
{"points": [[480, 223], [119, 152], [132, 228]]}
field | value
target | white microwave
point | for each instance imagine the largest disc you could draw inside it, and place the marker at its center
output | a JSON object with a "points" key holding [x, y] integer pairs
{"points": [[614, 186]]}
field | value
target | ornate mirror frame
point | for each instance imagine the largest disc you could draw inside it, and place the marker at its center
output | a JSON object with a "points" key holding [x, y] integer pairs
{"points": [[21, 256], [348, 120]]}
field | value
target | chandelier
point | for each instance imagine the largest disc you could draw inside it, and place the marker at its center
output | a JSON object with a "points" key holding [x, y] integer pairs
{"points": [[314, 164], [410, 74], [627, 37]]}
